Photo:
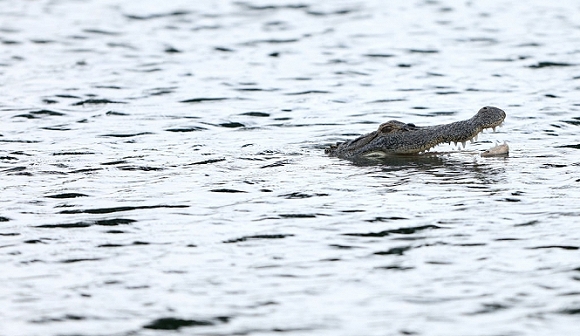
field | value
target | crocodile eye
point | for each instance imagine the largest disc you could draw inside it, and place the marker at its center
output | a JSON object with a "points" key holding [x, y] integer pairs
{"points": [[411, 125], [386, 129], [485, 108]]}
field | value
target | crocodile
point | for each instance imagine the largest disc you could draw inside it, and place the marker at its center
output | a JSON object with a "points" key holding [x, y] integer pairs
{"points": [[395, 137]]}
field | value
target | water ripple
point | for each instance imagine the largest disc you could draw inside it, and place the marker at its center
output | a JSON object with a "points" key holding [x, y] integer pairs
{"points": [[171, 156]]}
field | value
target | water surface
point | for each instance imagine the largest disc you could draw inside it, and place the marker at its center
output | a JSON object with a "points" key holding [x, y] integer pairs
{"points": [[163, 168]]}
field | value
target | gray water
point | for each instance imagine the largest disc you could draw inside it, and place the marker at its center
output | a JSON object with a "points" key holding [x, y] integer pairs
{"points": [[163, 170]]}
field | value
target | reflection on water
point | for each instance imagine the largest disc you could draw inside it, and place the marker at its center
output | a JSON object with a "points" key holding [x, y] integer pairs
{"points": [[440, 168], [163, 168]]}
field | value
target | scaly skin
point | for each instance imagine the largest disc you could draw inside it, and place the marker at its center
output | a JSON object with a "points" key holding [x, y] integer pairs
{"points": [[395, 137]]}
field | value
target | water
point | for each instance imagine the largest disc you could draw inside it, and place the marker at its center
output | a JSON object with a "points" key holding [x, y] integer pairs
{"points": [[163, 169]]}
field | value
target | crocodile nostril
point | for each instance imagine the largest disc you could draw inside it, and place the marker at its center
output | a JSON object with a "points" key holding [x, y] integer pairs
{"points": [[485, 108]]}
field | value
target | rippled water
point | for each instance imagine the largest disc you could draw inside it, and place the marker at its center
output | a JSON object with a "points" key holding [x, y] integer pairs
{"points": [[163, 168]]}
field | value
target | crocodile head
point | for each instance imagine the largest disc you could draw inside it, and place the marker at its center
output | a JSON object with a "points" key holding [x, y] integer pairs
{"points": [[395, 137]]}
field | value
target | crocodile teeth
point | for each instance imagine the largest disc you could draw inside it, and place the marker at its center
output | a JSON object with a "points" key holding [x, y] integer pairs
{"points": [[464, 144], [494, 128], [475, 137]]}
